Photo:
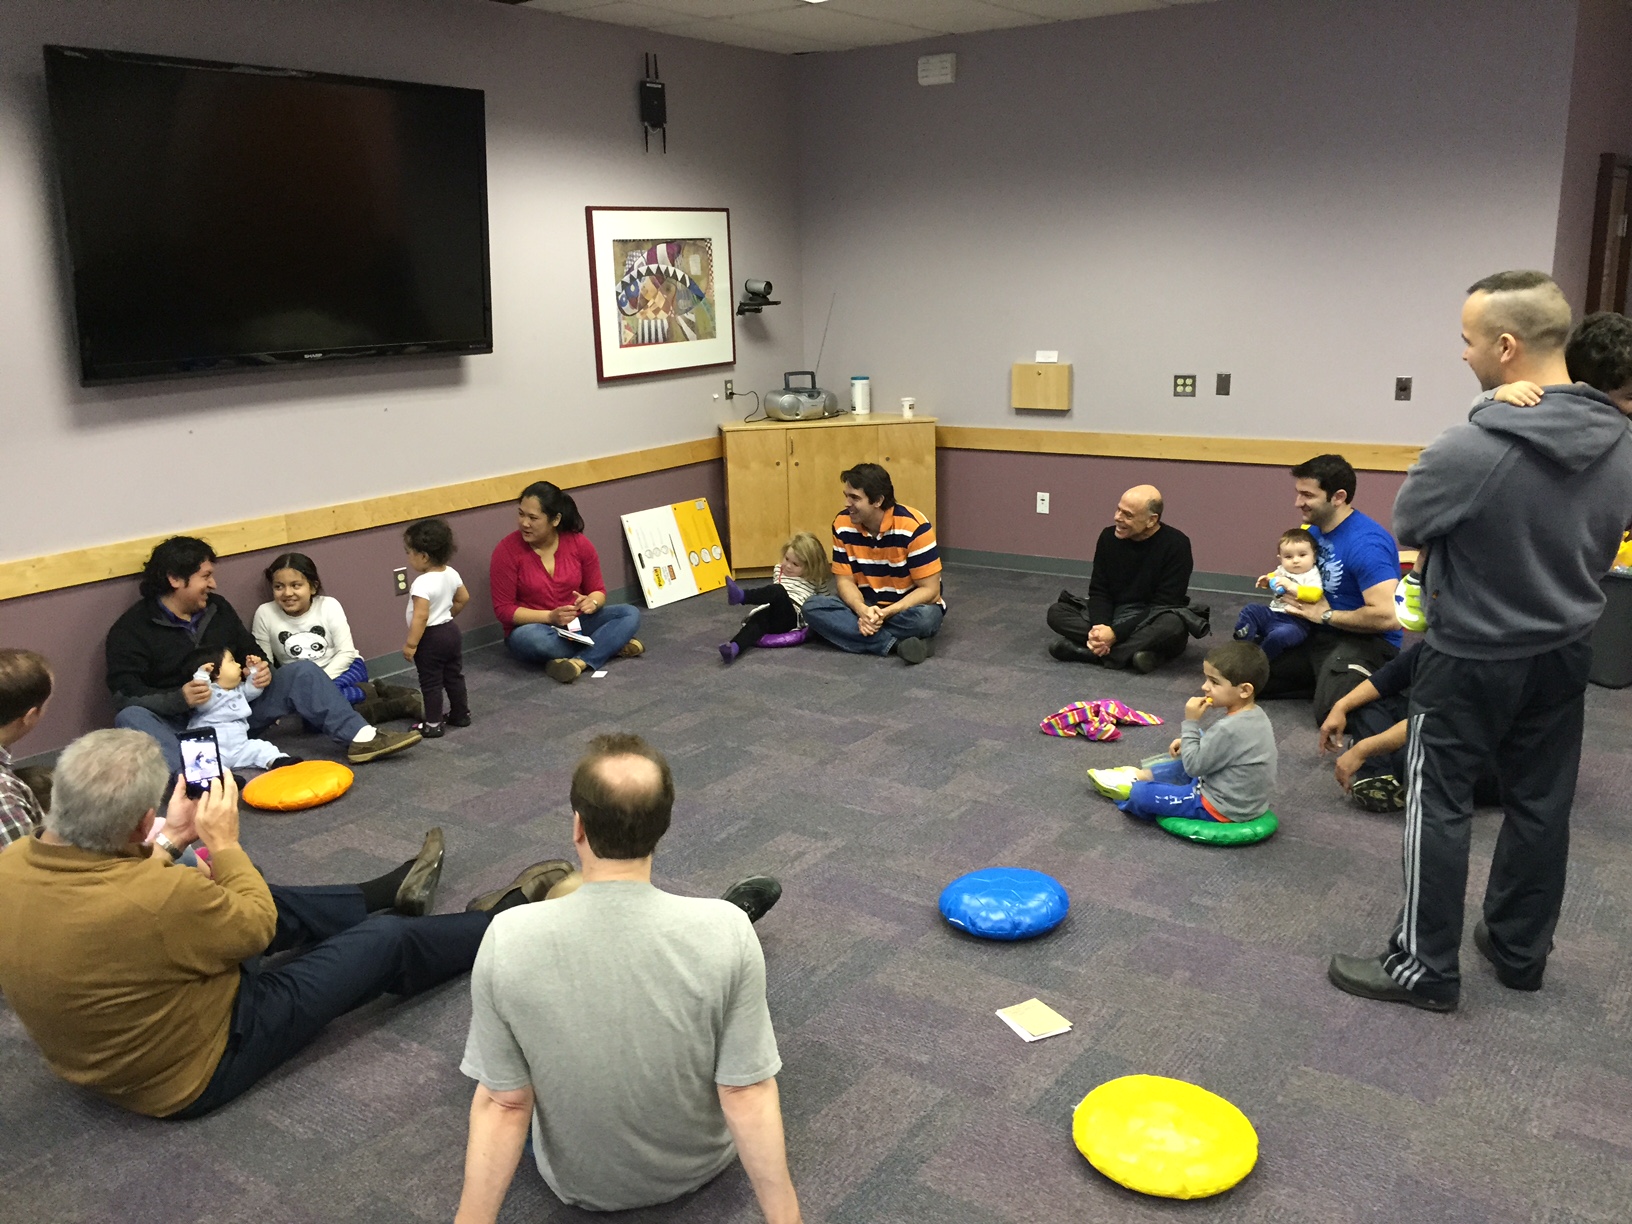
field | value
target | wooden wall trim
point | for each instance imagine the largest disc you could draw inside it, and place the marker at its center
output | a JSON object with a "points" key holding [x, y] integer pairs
{"points": [[55, 571], [1272, 452], [33, 575]]}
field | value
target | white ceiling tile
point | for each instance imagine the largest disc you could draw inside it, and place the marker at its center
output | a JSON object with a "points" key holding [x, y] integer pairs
{"points": [[630, 13], [691, 10], [821, 22], [733, 33], [792, 26], [941, 16], [1079, 10]]}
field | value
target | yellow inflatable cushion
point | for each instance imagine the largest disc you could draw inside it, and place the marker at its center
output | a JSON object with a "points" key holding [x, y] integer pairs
{"points": [[1164, 1137], [303, 785]]}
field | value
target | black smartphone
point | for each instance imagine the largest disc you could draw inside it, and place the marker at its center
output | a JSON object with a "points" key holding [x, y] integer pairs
{"points": [[200, 760]]}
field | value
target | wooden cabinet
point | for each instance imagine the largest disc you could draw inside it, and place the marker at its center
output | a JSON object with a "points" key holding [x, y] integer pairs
{"points": [[783, 476]]}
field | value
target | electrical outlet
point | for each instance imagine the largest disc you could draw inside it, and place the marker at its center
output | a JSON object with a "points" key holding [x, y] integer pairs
{"points": [[1402, 388], [1042, 503], [1184, 385], [1221, 385], [399, 581], [728, 389]]}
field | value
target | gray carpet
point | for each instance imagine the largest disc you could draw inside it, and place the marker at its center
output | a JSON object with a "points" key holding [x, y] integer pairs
{"points": [[866, 785]]}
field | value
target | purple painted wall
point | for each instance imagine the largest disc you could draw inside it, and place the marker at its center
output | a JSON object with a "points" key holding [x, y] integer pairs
{"points": [[1232, 513], [68, 626], [1600, 122], [1296, 193]]}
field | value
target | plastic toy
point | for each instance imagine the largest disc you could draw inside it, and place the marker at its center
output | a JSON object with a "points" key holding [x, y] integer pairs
{"points": [[1164, 1137], [1005, 903]]}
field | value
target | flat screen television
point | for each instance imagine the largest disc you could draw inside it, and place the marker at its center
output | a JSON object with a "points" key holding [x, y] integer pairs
{"points": [[223, 217]]}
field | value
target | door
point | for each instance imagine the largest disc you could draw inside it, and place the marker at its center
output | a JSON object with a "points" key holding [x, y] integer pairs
{"points": [[907, 452], [756, 488], [816, 456]]}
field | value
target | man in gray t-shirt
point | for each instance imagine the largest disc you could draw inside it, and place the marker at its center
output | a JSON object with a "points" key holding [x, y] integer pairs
{"points": [[625, 1026]]}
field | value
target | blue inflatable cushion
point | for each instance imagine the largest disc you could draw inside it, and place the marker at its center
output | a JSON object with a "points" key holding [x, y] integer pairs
{"points": [[1005, 903]]}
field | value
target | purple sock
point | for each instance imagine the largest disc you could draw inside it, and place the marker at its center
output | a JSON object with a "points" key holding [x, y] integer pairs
{"points": [[729, 651], [733, 592]]}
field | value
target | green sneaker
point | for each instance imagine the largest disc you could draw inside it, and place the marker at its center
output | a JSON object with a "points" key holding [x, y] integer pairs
{"points": [[1113, 783], [1408, 604]]}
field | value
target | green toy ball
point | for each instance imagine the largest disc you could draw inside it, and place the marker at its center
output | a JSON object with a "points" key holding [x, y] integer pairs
{"points": [[1222, 833]]}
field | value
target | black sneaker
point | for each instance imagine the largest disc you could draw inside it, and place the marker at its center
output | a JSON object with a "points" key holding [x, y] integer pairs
{"points": [[458, 720], [429, 730], [1145, 661], [1382, 793], [1529, 980], [915, 649], [755, 895], [1066, 652]]}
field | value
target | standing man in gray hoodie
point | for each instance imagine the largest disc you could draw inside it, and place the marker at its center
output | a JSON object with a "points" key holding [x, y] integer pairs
{"points": [[1518, 514]]}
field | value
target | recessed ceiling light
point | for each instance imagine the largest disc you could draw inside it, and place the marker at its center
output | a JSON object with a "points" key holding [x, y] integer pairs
{"points": [[815, 1]]}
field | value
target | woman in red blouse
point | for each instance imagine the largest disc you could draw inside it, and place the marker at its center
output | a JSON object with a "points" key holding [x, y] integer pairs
{"points": [[547, 573]]}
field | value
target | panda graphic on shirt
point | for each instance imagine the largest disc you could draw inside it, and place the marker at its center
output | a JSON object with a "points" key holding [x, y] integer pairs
{"points": [[305, 644]]}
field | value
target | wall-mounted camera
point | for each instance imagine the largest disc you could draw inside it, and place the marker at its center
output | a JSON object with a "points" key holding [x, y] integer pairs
{"points": [[756, 295]]}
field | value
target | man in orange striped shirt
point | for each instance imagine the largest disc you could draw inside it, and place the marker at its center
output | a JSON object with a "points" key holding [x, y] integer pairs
{"points": [[886, 571]]}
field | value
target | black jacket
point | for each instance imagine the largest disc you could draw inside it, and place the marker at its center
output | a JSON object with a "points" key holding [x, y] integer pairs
{"points": [[147, 653]]}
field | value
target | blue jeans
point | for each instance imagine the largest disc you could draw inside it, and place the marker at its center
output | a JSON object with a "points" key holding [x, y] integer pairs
{"points": [[350, 958], [301, 687], [1171, 792], [828, 617], [1276, 632], [612, 628]]}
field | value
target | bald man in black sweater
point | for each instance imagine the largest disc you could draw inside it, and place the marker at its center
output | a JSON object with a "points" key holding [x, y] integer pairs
{"points": [[1138, 612]]}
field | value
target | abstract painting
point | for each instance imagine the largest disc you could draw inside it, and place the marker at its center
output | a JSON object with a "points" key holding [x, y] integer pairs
{"points": [[661, 289]]}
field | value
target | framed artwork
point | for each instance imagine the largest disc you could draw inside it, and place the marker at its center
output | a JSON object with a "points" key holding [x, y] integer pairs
{"points": [[660, 290]]}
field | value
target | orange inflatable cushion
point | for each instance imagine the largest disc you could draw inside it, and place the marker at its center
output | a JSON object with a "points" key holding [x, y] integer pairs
{"points": [[307, 784]]}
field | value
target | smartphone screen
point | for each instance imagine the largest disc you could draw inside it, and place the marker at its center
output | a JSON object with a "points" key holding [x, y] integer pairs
{"points": [[200, 760]]}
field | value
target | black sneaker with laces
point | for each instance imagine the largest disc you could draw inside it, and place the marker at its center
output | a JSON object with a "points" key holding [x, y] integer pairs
{"points": [[754, 896]]}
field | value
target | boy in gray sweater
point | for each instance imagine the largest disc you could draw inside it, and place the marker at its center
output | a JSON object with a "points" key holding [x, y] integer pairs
{"points": [[1225, 772]]}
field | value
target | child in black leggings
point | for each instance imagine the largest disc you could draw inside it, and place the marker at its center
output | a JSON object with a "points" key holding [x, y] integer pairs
{"points": [[778, 605], [435, 646]]}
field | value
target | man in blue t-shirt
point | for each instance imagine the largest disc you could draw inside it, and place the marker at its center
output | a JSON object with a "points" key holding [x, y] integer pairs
{"points": [[1354, 629]]}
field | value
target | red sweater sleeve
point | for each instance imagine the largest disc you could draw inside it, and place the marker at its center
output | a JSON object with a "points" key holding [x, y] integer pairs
{"points": [[589, 565], [502, 575]]}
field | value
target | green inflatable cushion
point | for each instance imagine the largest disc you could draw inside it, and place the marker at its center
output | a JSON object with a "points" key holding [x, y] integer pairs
{"points": [[1222, 833]]}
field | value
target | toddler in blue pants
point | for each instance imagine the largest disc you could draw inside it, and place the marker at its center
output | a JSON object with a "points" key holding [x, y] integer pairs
{"points": [[1295, 580], [1222, 772]]}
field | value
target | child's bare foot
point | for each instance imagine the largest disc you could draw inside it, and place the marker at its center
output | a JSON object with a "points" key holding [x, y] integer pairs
{"points": [[1144, 775]]}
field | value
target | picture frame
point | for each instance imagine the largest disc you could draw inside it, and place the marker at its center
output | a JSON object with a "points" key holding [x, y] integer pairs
{"points": [[660, 289]]}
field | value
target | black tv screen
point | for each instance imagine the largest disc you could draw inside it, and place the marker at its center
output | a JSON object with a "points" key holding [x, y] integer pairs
{"points": [[222, 217]]}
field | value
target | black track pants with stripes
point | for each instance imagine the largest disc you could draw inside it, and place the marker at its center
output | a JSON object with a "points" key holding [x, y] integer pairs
{"points": [[1525, 715]]}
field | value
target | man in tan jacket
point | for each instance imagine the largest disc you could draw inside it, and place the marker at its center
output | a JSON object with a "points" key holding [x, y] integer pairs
{"points": [[139, 979]]}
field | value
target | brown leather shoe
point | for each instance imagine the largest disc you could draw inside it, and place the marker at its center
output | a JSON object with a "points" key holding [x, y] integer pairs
{"points": [[416, 895], [384, 743], [565, 670], [534, 882]]}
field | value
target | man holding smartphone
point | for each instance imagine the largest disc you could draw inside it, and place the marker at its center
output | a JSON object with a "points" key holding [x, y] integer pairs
{"points": [[131, 978], [178, 612]]}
